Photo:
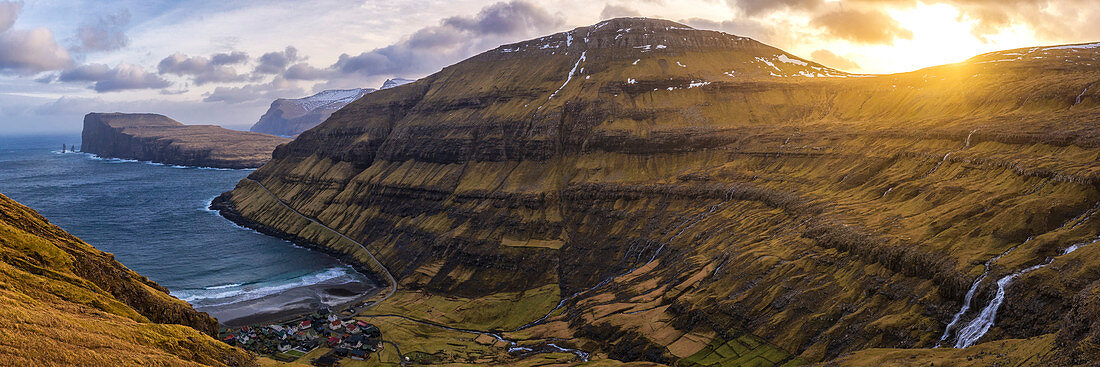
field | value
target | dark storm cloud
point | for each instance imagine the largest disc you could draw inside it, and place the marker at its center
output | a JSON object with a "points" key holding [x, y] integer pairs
{"points": [[828, 58], [277, 62], [452, 40], [108, 79], [27, 51], [872, 27], [104, 34], [200, 68]]}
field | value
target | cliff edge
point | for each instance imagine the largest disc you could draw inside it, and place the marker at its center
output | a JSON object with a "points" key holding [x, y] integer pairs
{"points": [[156, 138]]}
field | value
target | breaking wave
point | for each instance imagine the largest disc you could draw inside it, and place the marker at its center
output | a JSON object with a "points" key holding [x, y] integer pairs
{"points": [[226, 294]]}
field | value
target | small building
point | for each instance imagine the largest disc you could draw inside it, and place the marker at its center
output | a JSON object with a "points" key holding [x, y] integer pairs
{"points": [[305, 324], [342, 352], [370, 331], [353, 328], [354, 341], [358, 354], [285, 346], [326, 361]]}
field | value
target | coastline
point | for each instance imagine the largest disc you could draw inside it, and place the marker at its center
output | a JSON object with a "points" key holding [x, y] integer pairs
{"points": [[224, 206]]}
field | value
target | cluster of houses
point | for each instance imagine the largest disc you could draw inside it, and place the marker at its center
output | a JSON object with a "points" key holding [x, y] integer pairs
{"points": [[346, 336]]}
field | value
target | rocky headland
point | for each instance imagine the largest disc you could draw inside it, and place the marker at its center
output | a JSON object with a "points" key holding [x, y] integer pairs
{"points": [[159, 139]]}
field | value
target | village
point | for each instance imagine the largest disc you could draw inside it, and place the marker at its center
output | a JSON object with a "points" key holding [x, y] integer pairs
{"points": [[289, 341]]}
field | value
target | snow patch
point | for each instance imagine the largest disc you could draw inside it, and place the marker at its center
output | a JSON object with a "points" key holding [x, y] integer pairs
{"points": [[788, 60], [1072, 47]]}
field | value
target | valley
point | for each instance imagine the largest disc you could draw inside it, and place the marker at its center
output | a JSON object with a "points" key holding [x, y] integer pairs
{"points": [[643, 191]]}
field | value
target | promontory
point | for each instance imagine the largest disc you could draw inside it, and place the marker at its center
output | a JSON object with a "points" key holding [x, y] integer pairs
{"points": [[157, 138]]}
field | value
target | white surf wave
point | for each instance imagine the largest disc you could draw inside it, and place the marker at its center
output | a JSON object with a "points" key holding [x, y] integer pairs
{"points": [[226, 294]]}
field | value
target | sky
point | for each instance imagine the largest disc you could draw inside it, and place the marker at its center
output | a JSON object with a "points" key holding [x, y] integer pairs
{"points": [[224, 62]]}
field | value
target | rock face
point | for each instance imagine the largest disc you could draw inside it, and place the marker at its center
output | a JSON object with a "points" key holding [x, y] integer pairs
{"points": [[156, 138], [62, 302], [686, 189], [290, 117]]}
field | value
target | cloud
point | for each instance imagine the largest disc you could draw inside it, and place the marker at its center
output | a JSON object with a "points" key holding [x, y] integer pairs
{"points": [[617, 11], [739, 26], [202, 69], [276, 62], [105, 34], [231, 58], [27, 51], [828, 58], [754, 7], [65, 114], [107, 79], [9, 11], [454, 39], [303, 71], [277, 88], [870, 27], [31, 51]]}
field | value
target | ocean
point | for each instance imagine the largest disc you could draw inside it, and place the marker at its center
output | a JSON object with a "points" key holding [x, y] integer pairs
{"points": [[154, 219]]}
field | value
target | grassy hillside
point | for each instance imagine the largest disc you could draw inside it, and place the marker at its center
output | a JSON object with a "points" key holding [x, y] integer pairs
{"points": [[62, 302], [689, 192]]}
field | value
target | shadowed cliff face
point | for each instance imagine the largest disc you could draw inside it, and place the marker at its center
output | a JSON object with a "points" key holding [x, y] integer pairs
{"points": [[62, 302], [685, 182], [159, 139]]}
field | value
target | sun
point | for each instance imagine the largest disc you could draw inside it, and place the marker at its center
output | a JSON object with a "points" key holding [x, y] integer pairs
{"points": [[941, 35]]}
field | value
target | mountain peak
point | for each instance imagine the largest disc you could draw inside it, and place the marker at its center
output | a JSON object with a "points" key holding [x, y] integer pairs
{"points": [[390, 83], [680, 50]]}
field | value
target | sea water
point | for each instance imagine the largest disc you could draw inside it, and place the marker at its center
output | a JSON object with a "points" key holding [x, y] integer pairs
{"points": [[155, 219]]}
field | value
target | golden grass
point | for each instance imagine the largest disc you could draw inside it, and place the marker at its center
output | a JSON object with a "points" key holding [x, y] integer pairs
{"points": [[52, 315]]}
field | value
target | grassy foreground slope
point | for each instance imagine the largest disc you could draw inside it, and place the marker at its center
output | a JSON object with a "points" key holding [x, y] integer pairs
{"points": [[699, 198], [62, 302]]}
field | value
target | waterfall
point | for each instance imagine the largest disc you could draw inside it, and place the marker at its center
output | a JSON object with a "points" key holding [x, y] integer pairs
{"points": [[981, 324], [965, 308], [968, 138], [973, 290], [976, 329]]}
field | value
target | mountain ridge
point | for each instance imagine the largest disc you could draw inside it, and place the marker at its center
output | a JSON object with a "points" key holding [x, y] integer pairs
{"points": [[677, 209]]}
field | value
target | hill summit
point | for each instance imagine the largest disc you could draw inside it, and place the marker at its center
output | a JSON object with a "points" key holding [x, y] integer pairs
{"points": [[645, 191]]}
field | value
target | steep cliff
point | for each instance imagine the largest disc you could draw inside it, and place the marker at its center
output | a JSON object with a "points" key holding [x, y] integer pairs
{"points": [[696, 197], [62, 302], [156, 138], [290, 117]]}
